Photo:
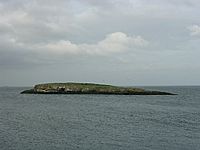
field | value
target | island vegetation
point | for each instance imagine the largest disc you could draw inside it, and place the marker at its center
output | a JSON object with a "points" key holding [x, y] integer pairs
{"points": [[89, 88]]}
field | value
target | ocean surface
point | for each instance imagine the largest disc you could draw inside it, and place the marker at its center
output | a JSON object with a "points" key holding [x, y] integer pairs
{"points": [[100, 122]]}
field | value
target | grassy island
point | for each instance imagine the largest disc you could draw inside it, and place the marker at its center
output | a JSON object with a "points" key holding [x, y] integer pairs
{"points": [[88, 88]]}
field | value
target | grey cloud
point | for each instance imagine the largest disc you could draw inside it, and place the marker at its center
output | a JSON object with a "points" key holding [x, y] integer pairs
{"points": [[28, 28]]}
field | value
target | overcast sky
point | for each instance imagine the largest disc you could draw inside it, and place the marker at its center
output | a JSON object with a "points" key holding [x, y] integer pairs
{"points": [[121, 42]]}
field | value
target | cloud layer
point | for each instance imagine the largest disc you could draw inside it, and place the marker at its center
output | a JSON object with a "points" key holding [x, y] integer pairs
{"points": [[133, 40], [117, 42]]}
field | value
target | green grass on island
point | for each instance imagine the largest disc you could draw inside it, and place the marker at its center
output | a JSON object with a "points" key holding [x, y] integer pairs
{"points": [[83, 87]]}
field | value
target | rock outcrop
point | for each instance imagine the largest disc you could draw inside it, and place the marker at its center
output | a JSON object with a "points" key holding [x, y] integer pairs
{"points": [[89, 88]]}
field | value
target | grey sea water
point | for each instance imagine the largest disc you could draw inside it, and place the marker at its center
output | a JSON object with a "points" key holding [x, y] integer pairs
{"points": [[100, 122]]}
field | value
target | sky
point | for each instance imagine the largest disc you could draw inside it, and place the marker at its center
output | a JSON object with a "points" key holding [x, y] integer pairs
{"points": [[120, 42]]}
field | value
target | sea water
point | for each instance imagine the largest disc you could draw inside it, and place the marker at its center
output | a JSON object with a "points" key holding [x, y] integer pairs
{"points": [[100, 122]]}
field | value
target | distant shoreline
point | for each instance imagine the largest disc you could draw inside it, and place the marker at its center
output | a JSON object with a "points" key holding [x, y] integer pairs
{"points": [[89, 88]]}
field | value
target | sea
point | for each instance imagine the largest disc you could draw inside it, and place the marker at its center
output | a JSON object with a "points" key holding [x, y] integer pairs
{"points": [[100, 122]]}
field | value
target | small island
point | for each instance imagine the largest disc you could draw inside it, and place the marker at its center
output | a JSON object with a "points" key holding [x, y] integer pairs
{"points": [[89, 88]]}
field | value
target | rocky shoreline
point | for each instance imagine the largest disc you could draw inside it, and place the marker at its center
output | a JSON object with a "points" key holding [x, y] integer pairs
{"points": [[89, 88]]}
